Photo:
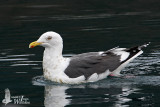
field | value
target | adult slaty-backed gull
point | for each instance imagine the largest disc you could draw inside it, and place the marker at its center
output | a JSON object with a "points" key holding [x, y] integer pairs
{"points": [[82, 68]]}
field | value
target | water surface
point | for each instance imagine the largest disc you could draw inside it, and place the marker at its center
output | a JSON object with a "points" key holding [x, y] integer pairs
{"points": [[85, 25]]}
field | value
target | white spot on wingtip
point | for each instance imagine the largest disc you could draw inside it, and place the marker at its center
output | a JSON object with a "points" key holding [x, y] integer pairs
{"points": [[123, 55]]}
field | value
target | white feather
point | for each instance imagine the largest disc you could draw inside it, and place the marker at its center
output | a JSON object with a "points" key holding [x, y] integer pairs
{"points": [[117, 71], [123, 54], [93, 77]]}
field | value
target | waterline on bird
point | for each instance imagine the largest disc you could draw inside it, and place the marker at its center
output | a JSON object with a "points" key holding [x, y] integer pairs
{"points": [[111, 81]]}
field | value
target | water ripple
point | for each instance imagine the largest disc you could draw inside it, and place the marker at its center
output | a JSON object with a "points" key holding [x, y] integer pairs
{"points": [[116, 90], [117, 82]]}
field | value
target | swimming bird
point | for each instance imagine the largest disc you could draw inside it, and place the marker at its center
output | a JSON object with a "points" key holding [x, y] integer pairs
{"points": [[85, 67]]}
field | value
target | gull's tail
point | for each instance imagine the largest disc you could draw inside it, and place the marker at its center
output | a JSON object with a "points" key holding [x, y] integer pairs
{"points": [[133, 53]]}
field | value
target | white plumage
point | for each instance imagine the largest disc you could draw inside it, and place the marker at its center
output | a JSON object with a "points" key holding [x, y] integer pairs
{"points": [[82, 68]]}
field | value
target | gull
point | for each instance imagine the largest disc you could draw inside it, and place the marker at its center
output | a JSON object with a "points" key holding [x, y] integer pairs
{"points": [[85, 67]]}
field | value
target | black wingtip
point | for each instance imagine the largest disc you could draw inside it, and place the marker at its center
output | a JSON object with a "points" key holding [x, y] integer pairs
{"points": [[144, 45]]}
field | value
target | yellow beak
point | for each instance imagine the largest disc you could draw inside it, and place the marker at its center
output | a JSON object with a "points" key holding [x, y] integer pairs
{"points": [[34, 44]]}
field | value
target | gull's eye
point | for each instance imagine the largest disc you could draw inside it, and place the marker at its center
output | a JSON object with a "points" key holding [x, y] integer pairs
{"points": [[49, 37]]}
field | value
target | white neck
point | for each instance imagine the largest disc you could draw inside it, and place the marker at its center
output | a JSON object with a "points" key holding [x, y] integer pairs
{"points": [[51, 57], [54, 63], [53, 51]]}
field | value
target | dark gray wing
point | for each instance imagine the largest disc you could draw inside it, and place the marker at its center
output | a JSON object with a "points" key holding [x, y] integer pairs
{"points": [[89, 63]]}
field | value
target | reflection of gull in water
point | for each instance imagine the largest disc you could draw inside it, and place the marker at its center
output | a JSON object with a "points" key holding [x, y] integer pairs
{"points": [[60, 95], [7, 97], [123, 98], [55, 96], [113, 92]]}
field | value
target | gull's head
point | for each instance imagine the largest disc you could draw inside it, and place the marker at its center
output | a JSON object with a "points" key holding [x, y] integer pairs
{"points": [[48, 40]]}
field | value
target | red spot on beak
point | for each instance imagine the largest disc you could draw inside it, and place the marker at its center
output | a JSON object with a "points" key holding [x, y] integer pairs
{"points": [[32, 46]]}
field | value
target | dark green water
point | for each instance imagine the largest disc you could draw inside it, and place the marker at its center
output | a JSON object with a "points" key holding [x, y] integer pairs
{"points": [[85, 25]]}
